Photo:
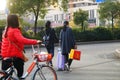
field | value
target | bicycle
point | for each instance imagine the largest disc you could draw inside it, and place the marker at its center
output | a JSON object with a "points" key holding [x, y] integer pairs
{"points": [[42, 71]]}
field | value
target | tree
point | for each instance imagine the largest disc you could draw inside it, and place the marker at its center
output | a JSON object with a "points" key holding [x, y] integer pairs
{"points": [[2, 22], [80, 17], [38, 7], [110, 10]]}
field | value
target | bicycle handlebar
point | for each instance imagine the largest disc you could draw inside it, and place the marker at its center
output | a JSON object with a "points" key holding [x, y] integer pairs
{"points": [[38, 46]]}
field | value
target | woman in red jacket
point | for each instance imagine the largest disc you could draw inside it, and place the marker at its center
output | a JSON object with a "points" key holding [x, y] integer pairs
{"points": [[13, 44], [0, 50]]}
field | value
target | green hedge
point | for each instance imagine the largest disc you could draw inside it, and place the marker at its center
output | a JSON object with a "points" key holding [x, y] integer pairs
{"points": [[96, 34], [116, 33], [87, 36], [103, 33]]}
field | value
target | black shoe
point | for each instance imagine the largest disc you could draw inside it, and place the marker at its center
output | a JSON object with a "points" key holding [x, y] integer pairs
{"points": [[66, 67], [49, 64]]}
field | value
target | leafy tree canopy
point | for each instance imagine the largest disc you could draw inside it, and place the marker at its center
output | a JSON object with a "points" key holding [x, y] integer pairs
{"points": [[79, 17], [38, 7], [110, 10]]}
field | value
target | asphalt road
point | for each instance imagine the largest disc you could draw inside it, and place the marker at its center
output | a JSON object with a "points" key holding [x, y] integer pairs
{"points": [[98, 62]]}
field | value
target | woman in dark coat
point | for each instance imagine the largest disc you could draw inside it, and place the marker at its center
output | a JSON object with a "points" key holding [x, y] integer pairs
{"points": [[52, 39], [67, 42]]}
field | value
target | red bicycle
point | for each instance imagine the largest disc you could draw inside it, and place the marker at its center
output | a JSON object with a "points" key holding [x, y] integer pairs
{"points": [[42, 71]]}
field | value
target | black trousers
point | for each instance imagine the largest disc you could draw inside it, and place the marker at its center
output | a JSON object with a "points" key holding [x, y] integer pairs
{"points": [[17, 62], [50, 50], [67, 60]]}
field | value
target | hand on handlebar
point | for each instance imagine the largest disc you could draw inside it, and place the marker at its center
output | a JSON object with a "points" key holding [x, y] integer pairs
{"points": [[39, 41]]}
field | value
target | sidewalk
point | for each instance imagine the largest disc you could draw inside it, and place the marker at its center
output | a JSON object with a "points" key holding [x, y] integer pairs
{"points": [[89, 42], [98, 62]]}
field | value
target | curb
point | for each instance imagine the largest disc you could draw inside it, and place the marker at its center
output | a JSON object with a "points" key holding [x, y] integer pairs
{"points": [[97, 42], [83, 43]]}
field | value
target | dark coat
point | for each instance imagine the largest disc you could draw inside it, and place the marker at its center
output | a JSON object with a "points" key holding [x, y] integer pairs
{"points": [[67, 41], [53, 38]]}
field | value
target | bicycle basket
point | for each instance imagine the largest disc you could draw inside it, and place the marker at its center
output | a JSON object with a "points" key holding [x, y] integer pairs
{"points": [[43, 57]]}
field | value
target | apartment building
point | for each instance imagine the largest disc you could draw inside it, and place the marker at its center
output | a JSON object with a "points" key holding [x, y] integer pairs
{"points": [[87, 5], [58, 16]]}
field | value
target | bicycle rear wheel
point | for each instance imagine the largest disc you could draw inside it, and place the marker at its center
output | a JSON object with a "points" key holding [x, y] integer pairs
{"points": [[46, 73], [2, 75], [5, 76]]}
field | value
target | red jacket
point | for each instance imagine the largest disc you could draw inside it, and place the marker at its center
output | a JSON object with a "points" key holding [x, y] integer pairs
{"points": [[0, 47], [9, 49]]}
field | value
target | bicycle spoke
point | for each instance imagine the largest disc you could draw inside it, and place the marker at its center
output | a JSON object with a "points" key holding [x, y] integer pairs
{"points": [[39, 74], [46, 73]]}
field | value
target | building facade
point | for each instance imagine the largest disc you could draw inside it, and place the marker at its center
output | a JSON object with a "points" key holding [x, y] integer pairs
{"points": [[58, 16]]}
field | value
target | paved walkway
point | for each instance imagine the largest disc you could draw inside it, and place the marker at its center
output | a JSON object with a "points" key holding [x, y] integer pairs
{"points": [[98, 62]]}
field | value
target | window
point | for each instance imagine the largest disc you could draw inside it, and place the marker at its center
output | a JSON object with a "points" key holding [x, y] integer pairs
{"points": [[91, 14]]}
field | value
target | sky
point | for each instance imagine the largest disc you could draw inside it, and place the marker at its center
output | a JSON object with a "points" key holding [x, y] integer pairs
{"points": [[2, 4]]}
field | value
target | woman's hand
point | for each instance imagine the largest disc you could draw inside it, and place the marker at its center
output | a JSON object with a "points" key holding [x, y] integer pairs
{"points": [[75, 46], [39, 41]]}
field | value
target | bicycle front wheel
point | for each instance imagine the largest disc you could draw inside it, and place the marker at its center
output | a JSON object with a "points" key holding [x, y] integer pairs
{"points": [[45, 73]]}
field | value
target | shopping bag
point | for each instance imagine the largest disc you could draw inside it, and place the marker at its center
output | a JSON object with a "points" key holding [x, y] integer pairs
{"points": [[75, 54]]}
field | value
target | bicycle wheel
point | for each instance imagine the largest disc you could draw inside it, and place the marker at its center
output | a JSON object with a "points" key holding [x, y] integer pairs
{"points": [[2, 75], [46, 73]]}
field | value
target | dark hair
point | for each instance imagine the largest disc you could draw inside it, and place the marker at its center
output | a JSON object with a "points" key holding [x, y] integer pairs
{"points": [[48, 24], [12, 21], [66, 23]]}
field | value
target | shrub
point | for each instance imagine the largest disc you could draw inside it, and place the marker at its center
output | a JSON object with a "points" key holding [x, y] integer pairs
{"points": [[87, 36], [116, 33], [103, 33], [99, 33], [40, 34], [57, 31], [76, 33]]}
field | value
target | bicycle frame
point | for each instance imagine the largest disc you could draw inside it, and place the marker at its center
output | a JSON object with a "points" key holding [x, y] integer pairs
{"points": [[31, 67], [10, 71]]}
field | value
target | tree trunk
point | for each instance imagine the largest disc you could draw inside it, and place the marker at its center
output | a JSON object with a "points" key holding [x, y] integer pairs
{"points": [[82, 26], [112, 22], [36, 18], [35, 24]]}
